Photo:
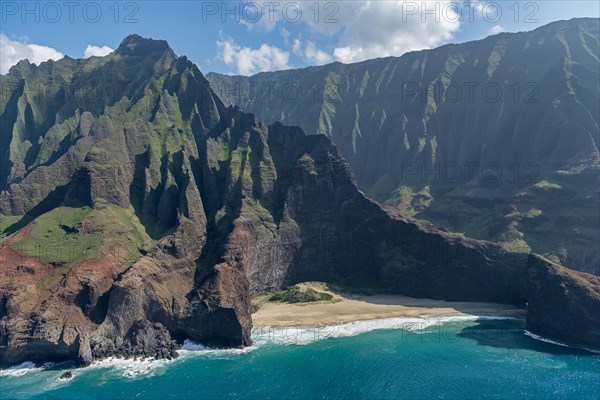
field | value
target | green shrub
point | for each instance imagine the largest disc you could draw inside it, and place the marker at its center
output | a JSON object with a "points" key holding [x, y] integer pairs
{"points": [[295, 294]]}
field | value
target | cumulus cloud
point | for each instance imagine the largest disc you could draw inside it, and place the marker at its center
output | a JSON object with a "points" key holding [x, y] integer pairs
{"points": [[285, 34], [370, 29], [248, 61], [96, 51], [310, 52], [297, 46], [315, 54], [13, 51], [362, 29], [495, 29], [257, 15]]}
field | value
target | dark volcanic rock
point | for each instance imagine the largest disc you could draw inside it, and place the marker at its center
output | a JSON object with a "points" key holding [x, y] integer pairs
{"points": [[563, 305], [66, 376]]}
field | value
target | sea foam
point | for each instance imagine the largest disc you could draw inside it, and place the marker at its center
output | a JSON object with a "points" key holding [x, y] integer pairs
{"points": [[190, 347], [546, 340], [23, 369], [302, 335], [132, 368]]}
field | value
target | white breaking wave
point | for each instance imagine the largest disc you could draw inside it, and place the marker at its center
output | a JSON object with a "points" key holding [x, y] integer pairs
{"points": [[543, 339], [306, 335], [190, 347], [131, 368], [24, 368], [546, 340]]}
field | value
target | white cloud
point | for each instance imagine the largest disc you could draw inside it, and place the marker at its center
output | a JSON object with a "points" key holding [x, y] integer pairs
{"points": [[297, 47], [370, 29], [96, 51], [310, 52], [258, 15], [315, 54], [495, 29], [13, 51], [286, 35], [249, 61]]}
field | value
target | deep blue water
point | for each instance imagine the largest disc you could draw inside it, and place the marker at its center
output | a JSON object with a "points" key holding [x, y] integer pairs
{"points": [[454, 360]]}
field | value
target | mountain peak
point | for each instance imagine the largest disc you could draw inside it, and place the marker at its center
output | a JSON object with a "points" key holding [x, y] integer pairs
{"points": [[155, 54], [137, 45]]}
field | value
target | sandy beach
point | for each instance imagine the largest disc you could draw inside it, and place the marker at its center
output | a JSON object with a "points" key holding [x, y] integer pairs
{"points": [[350, 307]]}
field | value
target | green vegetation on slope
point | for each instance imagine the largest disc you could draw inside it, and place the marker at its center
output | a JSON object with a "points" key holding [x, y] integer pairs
{"points": [[66, 236], [418, 139], [6, 221]]}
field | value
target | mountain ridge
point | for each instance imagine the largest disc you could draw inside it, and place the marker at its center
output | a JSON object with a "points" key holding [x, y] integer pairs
{"points": [[134, 220], [405, 131], [547, 26]]}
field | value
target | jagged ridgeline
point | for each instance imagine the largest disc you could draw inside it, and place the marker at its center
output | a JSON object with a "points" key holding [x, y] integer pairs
{"points": [[137, 211], [497, 138]]}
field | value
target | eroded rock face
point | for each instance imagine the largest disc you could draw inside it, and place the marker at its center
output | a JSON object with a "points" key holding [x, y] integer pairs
{"points": [[563, 305], [194, 208], [422, 133]]}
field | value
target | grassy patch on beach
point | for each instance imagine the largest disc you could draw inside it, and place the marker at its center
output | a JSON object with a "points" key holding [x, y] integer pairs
{"points": [[298, 294], [302, 293]]}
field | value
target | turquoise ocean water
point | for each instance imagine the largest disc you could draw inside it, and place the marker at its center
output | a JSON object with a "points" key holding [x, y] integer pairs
{"points": [[445, 359]]}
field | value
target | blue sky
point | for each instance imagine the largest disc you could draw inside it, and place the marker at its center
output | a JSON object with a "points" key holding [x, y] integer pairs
{"points": [[249, 37]]}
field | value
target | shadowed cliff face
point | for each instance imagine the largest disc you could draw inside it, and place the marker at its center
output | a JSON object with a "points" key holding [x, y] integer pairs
{"points": [[563, 304], [134, 219], [497, 138]]}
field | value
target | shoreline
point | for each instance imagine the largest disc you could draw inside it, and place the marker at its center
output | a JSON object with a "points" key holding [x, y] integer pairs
{"points": [[347, 308], [281, 335], [303, 323]]}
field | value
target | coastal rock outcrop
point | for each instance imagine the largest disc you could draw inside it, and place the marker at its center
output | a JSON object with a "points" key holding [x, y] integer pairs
{"points": [[563, 305]]}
